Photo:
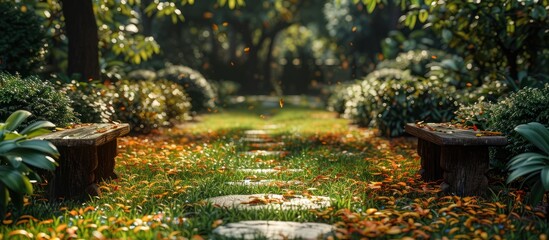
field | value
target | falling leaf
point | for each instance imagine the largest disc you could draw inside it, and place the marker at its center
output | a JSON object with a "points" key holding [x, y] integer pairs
{"points": [[281, 102]]}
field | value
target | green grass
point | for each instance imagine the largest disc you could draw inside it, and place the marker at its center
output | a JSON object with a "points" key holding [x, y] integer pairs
{"points": [[164, 178]]}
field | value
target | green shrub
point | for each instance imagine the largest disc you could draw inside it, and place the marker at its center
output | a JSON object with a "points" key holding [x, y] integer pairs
{"points": [[452, 71], [141, 104], [532, 167], [196, 86], [35, 96], [147, 105], [92, 102], [476, 114], [178, 105], [390, 98], [18, 153], [489, 92], [415, 61], [225, 89], [141, 74], [340, 95], [21, 41], [524, 106]]}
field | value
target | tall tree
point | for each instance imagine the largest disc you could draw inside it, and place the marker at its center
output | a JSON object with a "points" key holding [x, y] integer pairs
{"points": [[81, 31]]}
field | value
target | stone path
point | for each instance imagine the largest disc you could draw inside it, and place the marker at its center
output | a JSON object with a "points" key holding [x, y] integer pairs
{"points": [[261, 144], [275, 230], [271, 201]]}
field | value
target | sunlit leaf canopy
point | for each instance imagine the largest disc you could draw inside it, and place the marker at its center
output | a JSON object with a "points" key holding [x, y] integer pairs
{"points": [[271, 40]]}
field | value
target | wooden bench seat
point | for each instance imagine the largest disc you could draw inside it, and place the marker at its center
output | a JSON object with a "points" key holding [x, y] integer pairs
{"points": [[458, 156], [87, 157]]}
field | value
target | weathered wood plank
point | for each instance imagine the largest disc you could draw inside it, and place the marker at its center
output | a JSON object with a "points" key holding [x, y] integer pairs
{"points": [[445, 136], [430, 160], [464, 170], [75, 174], [94, 135]]}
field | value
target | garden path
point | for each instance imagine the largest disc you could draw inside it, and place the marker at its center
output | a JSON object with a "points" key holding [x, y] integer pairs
{"points": [[264, 145]]}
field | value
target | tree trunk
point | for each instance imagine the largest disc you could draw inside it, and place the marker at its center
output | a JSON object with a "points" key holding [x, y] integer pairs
{"points": [[146, 20], [252, 83], [81, 31], [267, 67]]}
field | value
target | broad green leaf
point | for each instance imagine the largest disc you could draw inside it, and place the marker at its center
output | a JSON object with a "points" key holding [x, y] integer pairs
{"points": [[15, 119], [6, 146], [523, 171], [15, 181], [544, 177], [536, 134], [232, 4], [35, 159], [37, 128], [371, 6], [536, 193], [41, 146], [423, 15], [529, 158]]}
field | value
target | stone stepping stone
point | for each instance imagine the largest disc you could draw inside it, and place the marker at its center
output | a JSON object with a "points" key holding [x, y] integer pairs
{"points": [[269, 170], [275, 230], [257, 139], [270, 201], [257, 132], [265, 153], [267, 145], [264, 182]]}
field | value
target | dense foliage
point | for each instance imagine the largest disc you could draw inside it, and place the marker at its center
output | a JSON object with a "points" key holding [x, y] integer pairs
{"points": [[147, 105], [414, 86], [21, 41], [92, 102], [389, 98], [225, 89], [198, 89], [532, 167], [17, 154], [524, 106], [36, 96]]}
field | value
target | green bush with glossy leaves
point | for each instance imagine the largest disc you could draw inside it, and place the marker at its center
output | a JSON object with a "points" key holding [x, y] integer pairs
{"points": [[524, 106], [18, 153], [36, 96], [141, 74], [147, 105], [92, 101], [389, 98], [22, 39], [532, 167], [199, 90], [415, 61]]}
